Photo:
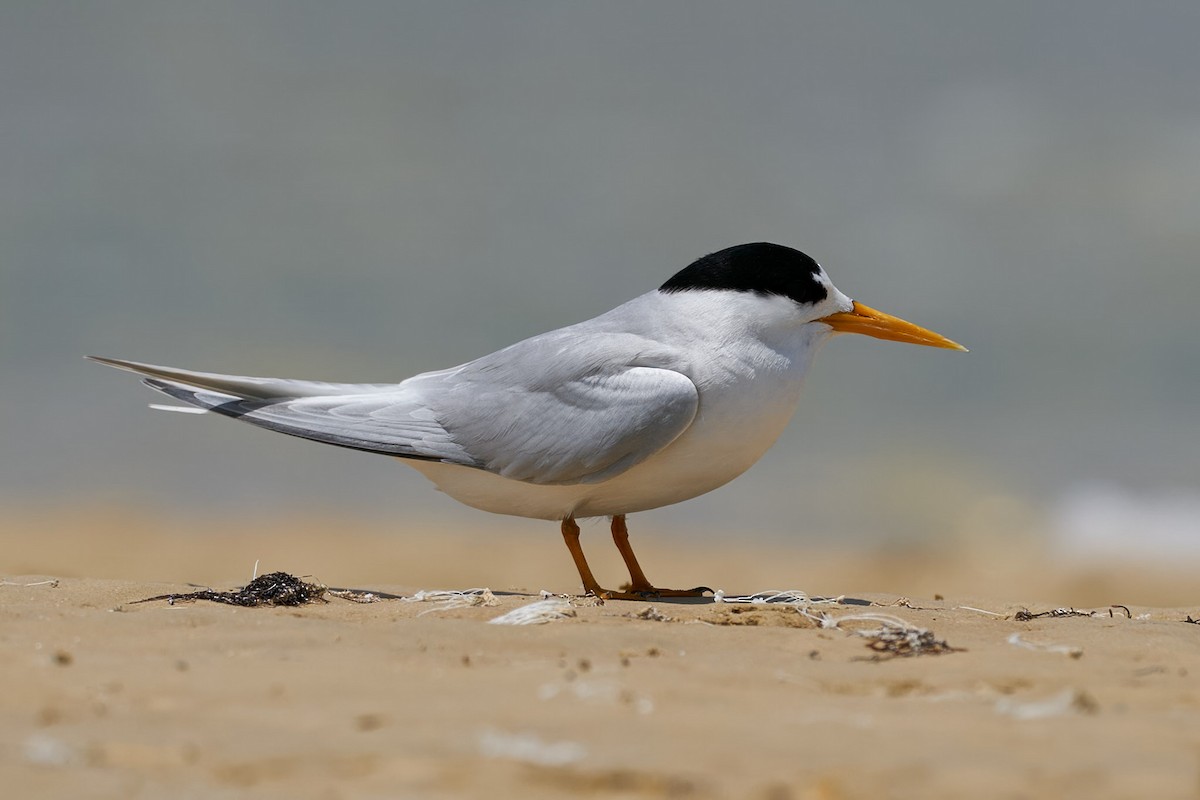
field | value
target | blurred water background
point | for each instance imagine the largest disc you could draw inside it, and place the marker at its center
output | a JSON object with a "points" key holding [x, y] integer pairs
{"points": [[360, 191]]}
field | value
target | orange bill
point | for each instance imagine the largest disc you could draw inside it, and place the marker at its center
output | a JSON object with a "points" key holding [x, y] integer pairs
{"points": [[866, 320]]}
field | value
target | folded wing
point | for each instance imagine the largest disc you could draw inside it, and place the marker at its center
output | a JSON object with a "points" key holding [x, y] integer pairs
{"points": [[584, 430], [531, 415]]}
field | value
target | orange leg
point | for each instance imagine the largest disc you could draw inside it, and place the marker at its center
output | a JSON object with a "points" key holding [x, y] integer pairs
{"points": [[637, 579], [570, 532], [640, 587]]}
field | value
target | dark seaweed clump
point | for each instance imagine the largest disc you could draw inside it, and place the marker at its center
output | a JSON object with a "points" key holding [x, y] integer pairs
{"points": [[273, 589]]}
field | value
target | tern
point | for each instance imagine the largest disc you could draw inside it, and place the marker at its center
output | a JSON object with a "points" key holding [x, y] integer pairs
{"points": [[661, 399]]}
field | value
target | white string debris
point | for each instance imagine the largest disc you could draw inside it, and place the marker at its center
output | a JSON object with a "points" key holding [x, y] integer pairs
{"points": [[979, 611], [1065, 649], [538, 612], [786, 597], [452, 599], [52, 583]]}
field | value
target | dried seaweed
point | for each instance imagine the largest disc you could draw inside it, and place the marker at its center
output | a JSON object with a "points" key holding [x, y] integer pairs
{"points": [[273, 589], [1025, 615]]}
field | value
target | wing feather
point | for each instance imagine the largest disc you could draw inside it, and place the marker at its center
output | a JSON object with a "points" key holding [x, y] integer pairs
{"points": [[578, 405]]}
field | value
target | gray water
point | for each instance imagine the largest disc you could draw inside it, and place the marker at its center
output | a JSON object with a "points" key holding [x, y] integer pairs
{"points": [[362, 191]]}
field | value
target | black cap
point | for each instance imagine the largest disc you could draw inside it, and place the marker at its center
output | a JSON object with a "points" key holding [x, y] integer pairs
{"points": [[759, 267]]}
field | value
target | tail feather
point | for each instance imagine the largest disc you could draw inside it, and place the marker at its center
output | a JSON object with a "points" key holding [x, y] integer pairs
{"points": [[377, 418], [178, 409], [242, 386]]}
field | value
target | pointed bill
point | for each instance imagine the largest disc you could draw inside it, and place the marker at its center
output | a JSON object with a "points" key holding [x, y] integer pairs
{"points": [[866, 320]]}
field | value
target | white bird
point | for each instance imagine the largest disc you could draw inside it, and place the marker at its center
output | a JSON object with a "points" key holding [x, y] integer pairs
{"points": [[659, 400]]}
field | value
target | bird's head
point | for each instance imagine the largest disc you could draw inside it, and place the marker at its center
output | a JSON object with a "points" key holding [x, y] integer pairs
{"points": [[774, 271]]}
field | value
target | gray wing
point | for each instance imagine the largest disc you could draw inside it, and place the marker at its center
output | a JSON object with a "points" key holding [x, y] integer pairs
{"points": [[557, 410]]}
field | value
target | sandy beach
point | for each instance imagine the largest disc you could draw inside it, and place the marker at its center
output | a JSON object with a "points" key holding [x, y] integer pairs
{"points": [[107, 697]]}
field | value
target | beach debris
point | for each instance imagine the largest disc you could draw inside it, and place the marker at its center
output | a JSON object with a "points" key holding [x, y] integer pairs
{"points": [[650, 613], [893, 642], [1191, 621], [980, 611], [1024, 615], [52, 583], [904, 602], [529, 748], [1065, 649], [355, 595], [449, 600], [272, 589], [893, 638], [538, 612], [471, 597], [787, 597], [901, 602], [588, 600], [1066, 701]]}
